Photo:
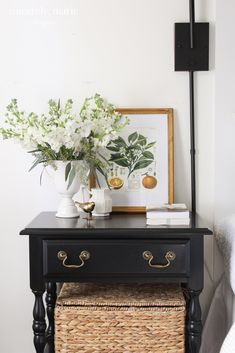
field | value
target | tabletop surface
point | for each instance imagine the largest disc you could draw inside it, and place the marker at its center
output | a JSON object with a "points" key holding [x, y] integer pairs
{"points": [[48, 223]]}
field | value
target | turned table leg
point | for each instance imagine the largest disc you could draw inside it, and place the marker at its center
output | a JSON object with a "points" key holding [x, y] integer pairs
{"points": [[193, 322], [39, 323], [50, 301]]}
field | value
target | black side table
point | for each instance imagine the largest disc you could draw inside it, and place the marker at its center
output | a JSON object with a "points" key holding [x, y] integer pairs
{"points": [[118, 249]]}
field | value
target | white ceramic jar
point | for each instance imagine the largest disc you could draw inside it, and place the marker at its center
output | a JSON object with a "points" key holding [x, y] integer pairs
{"points": [[103, 201]]}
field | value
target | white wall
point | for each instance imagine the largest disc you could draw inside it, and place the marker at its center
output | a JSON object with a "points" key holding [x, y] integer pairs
{"points": [[225, 110], [123, 49], [224, 118]]}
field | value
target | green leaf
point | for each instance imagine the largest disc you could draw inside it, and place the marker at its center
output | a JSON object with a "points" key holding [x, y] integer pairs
{"points": [[115, 156], [41, 176], [142, 164], [34, 151], [97, 179], [67, 170], [148, 155], [142, 158], [122, 162], [120, 142], [113, 149], [133, 147], [34, 165], [119, 160], [72, 175], [38, 160], [133, 137], [101, 171], [142, 140], [150, 145]]}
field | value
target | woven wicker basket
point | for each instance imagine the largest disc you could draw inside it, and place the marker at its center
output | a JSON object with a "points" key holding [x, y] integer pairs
{"points": [[92, 318]]}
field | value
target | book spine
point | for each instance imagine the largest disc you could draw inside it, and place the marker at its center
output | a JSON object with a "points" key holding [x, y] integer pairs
{"points": [[165, 215], [151, 221]]}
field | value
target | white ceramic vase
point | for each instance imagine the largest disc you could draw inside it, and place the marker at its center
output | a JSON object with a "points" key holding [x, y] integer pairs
{"points": [[103, 201], [66, 208]]}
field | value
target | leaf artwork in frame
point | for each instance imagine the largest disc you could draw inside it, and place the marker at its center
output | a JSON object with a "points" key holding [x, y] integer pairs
{"points": [[140, 159], [132, 154]]}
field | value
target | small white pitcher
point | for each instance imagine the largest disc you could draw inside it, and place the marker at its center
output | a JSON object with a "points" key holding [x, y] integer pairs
{"points": [[103, 202]]}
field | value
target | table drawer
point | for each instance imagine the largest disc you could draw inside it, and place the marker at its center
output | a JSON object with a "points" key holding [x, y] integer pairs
{"points": [[83, 257]]}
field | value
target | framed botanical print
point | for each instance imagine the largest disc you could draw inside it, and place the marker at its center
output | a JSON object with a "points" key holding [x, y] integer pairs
{"points": [[141, 165]]}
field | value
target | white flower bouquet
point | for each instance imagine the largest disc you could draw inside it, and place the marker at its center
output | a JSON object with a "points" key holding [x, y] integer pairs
{"points": [[64, 135]]}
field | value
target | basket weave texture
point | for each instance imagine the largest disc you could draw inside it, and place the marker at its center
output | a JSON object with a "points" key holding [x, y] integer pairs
{"points": [[95, 318]]}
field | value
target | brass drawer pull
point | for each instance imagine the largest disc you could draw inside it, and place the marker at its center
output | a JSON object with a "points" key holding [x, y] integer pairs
{"points": [[169, 256], [84, 255]]}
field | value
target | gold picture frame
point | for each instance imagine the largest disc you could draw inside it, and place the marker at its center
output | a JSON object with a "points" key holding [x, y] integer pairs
{"points": [[163, 113]]}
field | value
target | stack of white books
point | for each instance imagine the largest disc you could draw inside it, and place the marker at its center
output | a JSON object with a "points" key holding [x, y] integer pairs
{"points": [[168, 214]]}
